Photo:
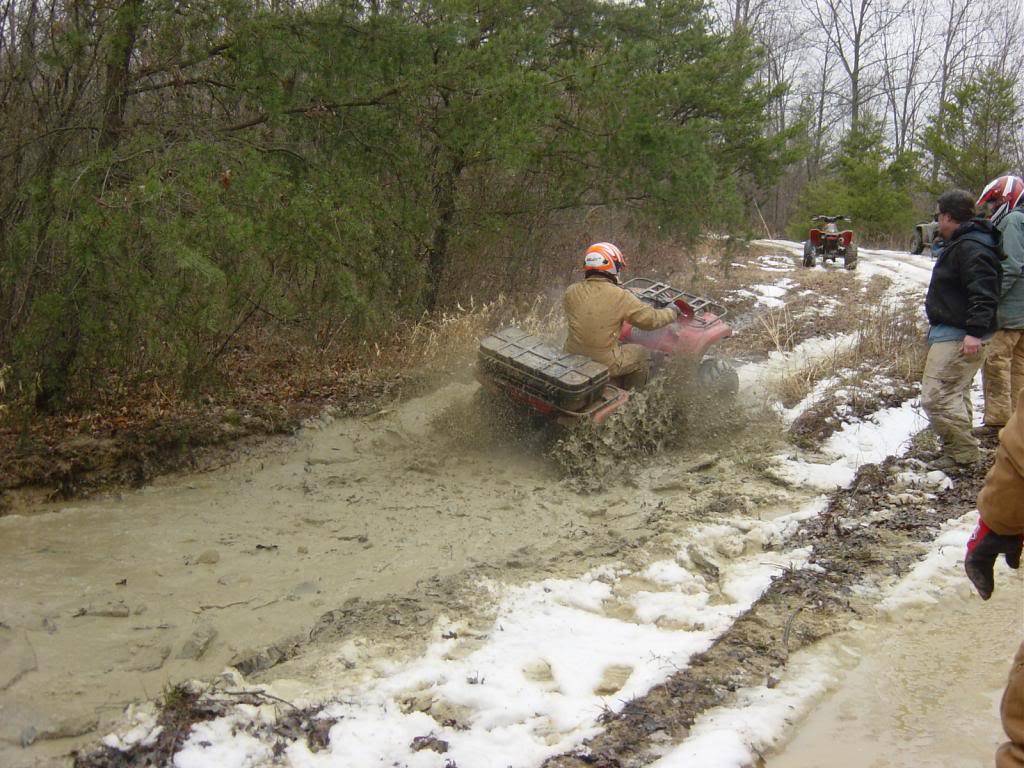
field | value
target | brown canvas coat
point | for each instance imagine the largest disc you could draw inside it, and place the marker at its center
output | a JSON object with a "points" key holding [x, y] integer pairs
{"points": [[596, 309], [1011, 754], [1001, 501], [1001, 504]]}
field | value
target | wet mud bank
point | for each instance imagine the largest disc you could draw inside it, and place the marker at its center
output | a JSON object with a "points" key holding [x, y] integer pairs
{"points": [[84, 454]]}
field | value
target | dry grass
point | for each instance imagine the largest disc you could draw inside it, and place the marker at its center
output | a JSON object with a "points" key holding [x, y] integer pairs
{"points": [[888, 340], [778, 325], [445, 342]]}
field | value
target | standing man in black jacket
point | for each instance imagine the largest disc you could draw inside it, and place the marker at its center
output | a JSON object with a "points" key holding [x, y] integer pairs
{"points": [[961, 306]]}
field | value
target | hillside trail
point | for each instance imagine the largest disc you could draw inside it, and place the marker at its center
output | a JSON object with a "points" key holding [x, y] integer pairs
{"points": [[108, 601]]}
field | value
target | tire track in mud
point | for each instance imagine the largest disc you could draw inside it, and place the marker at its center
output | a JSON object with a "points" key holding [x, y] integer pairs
{"points": [[868, 536]]}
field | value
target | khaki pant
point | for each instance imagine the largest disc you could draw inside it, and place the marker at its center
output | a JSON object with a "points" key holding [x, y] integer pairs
{"points": [[946, 398], [1011, 754], [634, 367], [1003, 375]]}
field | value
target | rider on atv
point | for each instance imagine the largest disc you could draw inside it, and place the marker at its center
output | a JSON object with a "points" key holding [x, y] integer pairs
{"points": [[597, 307]]}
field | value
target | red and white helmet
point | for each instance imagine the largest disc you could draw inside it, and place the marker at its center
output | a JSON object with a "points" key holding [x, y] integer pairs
{"points": [[1004, 192], [604, 257]]}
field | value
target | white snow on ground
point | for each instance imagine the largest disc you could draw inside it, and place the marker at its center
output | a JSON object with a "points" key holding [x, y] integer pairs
{"points": [[885, 433], [758, 379], [531, 689], [557, 656], [773, 262], [818, 391], [939, 571], [767, 295], [141, 728], [734, 737]]}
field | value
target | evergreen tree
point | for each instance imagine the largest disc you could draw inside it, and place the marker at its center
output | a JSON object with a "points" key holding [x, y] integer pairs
{"points": [[971, 137], [863, 181]]}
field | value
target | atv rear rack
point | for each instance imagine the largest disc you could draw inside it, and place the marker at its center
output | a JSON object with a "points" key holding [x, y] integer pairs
{"points": [[662, 295]]}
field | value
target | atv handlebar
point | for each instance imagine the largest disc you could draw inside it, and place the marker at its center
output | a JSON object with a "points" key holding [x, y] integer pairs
{"points": [[833, 219]]}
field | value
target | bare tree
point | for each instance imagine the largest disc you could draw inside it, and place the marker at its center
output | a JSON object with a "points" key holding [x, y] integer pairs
{"points": [[904, 83], [853, 31], [959, 46]]}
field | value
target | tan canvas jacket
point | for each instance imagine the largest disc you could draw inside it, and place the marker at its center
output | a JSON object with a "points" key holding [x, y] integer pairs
{"points": [[1011, 754], [596, 309], [1001, 504], [1001, 501]]}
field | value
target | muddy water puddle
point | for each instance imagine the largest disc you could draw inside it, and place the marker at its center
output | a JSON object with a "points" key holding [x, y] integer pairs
{"points": [[924, 689], [109, 601]]}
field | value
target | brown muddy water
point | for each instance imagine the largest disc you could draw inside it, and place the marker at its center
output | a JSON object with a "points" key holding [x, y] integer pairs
{"points": [[109, 601], [923, 688]]}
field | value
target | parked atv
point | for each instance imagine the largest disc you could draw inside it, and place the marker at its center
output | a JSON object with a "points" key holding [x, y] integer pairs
{"points": [[829, 243], [566, 387], [926, 235]]}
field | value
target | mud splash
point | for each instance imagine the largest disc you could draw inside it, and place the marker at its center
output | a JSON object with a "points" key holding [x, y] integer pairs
{"points": [[670, 413]]}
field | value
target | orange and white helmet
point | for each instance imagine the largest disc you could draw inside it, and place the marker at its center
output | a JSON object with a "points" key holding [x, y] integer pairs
{"points": [[1004, 193], [604, 257]]}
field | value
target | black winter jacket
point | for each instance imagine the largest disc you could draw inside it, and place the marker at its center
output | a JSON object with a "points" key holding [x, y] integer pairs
{"points": [[964, 289]]}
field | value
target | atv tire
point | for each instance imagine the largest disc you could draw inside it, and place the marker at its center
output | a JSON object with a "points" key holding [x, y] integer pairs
{"points": [[718, 378], [850, 259], [917, 246], [808, 254]]}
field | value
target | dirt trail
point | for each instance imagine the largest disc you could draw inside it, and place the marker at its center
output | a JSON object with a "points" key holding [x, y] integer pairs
{"points": [[924, 689], [108, 601]]}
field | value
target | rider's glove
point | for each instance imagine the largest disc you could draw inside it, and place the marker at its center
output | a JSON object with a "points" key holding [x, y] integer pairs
{"points": [[983, 548]]}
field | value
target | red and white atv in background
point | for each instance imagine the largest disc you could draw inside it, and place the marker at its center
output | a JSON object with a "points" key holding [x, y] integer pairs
{"points": [[829, 243], [566, 387]]}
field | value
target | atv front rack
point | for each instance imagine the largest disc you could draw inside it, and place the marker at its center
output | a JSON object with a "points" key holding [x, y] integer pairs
{"points": [[662, 294]]}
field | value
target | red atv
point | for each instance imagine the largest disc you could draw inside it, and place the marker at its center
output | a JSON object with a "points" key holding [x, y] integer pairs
{"points": [[829, 243], [567, 387]]}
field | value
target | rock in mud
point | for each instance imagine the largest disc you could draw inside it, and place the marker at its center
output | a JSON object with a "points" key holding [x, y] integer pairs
{"points": [[17, 658], [148, 658], [702, 562], [429, 742], [198, 643], [209, 557]]}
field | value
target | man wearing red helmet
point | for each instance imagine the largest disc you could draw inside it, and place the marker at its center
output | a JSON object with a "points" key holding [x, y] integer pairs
{"points": [[596, 309], [1003, 372]]}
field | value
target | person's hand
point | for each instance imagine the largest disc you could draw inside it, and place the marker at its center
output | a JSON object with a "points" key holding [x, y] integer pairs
{"points": [[970, 346], [983, 548]]}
